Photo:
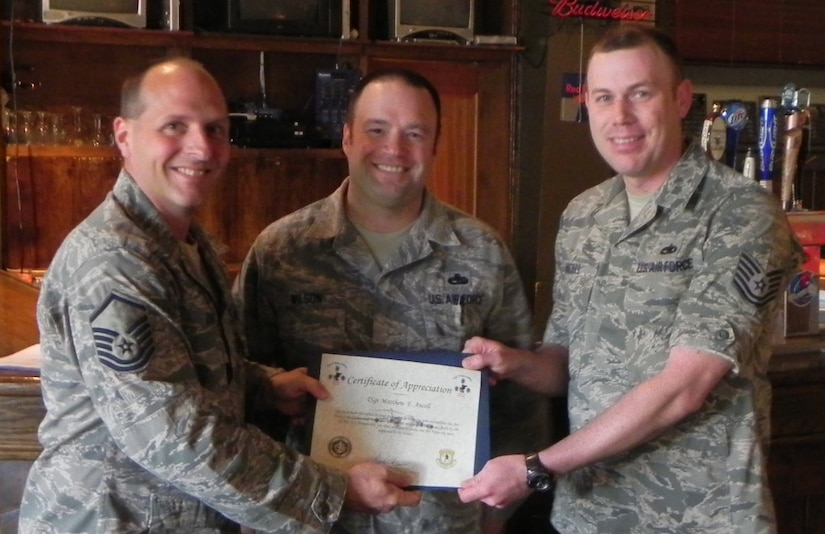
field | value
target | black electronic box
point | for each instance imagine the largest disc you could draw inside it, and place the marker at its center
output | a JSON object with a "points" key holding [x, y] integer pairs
{"points": [[333, 88]]}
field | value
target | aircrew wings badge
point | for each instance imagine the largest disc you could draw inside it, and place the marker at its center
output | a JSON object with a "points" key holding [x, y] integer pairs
{"points": [[123, 338], [754, 284]]}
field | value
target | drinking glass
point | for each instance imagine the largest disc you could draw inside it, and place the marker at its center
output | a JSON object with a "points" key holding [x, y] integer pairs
{"points": [[25, 127], [9, 126], [100, 131], [41, 134], [75, 126], [54, 128]]}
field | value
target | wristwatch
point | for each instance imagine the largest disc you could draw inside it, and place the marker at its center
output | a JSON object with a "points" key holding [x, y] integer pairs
{"points": [[538, 477]]}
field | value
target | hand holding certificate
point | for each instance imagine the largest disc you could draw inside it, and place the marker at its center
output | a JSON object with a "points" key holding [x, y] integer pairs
{"points": [[418, 412]]}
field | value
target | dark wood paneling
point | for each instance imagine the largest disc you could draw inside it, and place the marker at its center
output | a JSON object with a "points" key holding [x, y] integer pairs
{"points": [[261, 186], [50, 190], [802, 40], [47, 195], [796, 465], [789, 420], [764, 32], [703, 29]]}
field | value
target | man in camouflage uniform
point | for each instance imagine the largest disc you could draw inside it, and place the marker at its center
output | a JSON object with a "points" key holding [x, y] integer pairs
{"points": [[382, 265], [668, 276], [143, 370]]}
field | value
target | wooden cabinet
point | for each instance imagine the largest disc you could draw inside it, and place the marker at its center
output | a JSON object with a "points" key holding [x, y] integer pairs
{"points": [[797, 455], [768, 32], [21, 410], [46, 190]]}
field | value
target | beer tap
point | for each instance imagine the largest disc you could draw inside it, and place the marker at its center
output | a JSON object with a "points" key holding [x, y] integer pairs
{"points": [[767, 141], [796, 137], [735, 114], [714, 133]]}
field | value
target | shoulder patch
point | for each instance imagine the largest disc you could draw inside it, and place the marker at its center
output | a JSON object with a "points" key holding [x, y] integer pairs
{"points": [[754, 284], [123, 339]]}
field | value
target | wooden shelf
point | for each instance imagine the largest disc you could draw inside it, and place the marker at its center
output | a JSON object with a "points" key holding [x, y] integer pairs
{"points": [[36, 32], [445, 51]]}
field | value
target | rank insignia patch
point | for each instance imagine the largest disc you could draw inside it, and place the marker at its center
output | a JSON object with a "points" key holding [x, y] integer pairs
{"points": [[754, 284], [123, 339]]}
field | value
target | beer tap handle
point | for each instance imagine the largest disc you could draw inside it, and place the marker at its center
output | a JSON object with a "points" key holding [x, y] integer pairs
{"points": [[792, 142]]}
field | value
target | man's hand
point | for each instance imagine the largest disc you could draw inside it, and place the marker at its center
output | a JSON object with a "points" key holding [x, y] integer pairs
{"points": [[291, 389], [502, 482], [487, 353], [376, 489], [543, 370]]}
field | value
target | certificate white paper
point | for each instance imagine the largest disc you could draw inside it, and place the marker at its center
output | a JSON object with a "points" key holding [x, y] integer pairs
{"points": [[419, 412]]}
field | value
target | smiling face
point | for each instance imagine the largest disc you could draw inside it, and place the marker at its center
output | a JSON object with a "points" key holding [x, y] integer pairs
{"points": [[635, 107], [177, 147], [390, 148]]}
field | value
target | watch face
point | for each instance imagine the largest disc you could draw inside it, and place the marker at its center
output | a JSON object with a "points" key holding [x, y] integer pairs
{"points": [[539, 481], [538, 477]]}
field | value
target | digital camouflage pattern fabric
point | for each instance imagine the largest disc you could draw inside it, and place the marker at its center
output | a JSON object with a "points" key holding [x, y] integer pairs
{"points": [[310, 284], [703, 266], [145, 385]]}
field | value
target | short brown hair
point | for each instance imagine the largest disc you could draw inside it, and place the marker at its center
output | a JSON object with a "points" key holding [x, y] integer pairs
{"points": [[408, 77], [628, 36]]}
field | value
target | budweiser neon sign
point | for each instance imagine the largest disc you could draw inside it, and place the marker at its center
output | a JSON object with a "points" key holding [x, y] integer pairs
{"points": [[572, 8]]}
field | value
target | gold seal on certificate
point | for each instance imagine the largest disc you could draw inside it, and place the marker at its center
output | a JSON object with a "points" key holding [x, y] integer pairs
{"points": [[419, 412]]}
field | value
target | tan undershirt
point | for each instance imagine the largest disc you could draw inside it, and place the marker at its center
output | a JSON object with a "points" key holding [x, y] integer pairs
{"points": [[383, 245], [637, 202]]}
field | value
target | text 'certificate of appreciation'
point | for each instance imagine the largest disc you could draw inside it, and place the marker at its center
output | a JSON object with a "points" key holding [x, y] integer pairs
{"points": [[419, 412]]}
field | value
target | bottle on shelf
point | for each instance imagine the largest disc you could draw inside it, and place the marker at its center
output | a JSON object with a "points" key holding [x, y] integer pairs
{"points": [[749, 165]]}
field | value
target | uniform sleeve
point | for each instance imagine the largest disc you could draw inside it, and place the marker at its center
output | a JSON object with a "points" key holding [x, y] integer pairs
{"points": [[173, 401], [747, 259]]}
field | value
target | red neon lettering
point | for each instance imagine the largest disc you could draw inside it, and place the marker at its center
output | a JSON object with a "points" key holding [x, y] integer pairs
{"points": [[572, 8]]}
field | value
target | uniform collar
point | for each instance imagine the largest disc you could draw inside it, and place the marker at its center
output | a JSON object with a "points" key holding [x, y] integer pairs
{"points": [[684, 179], [678, 190], [134, 201], [145, 215], [682, 182], [433, 224]]}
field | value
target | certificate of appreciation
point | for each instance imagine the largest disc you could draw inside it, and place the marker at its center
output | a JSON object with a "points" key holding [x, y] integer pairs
{"points": [[418, 412]]}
